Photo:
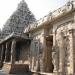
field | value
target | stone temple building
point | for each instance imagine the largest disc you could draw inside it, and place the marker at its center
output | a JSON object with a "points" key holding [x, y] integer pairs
{"points": [[46, 48], [18, 20]]}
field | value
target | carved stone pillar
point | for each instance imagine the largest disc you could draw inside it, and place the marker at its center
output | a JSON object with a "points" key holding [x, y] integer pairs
{"points": [[13, 51], [1, 61], [47, 54], [72, 51], [55, 54], [6, 52], [2, 53], [62, 55], [44, 55]]}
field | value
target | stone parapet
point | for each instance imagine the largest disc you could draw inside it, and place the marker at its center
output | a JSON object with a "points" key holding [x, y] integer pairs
{"points": [[69, 7]]}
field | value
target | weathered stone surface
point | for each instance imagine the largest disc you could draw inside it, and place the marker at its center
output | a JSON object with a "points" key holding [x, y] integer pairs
{"points": [[13, 51], [52, 48]]}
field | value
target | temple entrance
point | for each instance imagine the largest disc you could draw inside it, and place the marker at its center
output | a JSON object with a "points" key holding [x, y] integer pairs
{"points": [[48, 54]]}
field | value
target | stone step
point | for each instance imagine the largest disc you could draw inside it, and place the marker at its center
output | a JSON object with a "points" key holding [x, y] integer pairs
{"points": [[16, 68], [42, 73], [6, 68]]}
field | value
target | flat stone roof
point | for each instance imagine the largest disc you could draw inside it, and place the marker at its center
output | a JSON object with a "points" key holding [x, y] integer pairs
{"points": [[14, 36]]}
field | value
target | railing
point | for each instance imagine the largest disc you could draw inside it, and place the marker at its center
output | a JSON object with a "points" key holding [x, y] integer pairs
{"points": [[52, 15]]}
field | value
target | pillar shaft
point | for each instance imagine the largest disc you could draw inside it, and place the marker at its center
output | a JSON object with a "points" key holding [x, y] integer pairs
{"points": [[47, 52], [62, 55], [13, 51], [6, 52], [72, 52], [44, 55], [55, 54], [2, 53], [44, 50]]}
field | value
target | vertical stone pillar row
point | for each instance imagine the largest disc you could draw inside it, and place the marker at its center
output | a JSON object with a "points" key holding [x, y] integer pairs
{"points": [[13, 51]]}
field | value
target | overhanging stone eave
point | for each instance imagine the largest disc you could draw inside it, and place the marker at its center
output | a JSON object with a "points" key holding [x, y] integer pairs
{"points": [[13, 36], [68, 8], [39, 27], [49, 22]]}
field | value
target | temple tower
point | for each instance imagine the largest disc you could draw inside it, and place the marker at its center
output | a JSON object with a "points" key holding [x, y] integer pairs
{"points": [[20, 19]]}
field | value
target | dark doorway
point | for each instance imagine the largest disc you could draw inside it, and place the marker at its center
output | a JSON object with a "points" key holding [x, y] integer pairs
{"points": [[49, 44], [9, 52]]}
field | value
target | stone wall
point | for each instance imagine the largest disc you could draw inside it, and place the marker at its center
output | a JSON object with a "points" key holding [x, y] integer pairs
{"points": [[36, 50], [64, 48], [62, 25]]}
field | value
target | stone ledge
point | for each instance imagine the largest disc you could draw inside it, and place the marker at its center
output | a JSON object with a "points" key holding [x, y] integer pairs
{"points": [[16, 68], [42, 73]]}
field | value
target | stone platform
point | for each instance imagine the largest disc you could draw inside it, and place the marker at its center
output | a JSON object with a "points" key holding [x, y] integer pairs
{"points": [[16, 68]]}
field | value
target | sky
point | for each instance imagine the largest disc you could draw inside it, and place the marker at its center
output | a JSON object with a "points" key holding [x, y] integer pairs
{"points": [[39, 8]]}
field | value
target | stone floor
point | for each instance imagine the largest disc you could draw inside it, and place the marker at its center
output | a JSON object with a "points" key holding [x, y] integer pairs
{"points": [[3, 73]]}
